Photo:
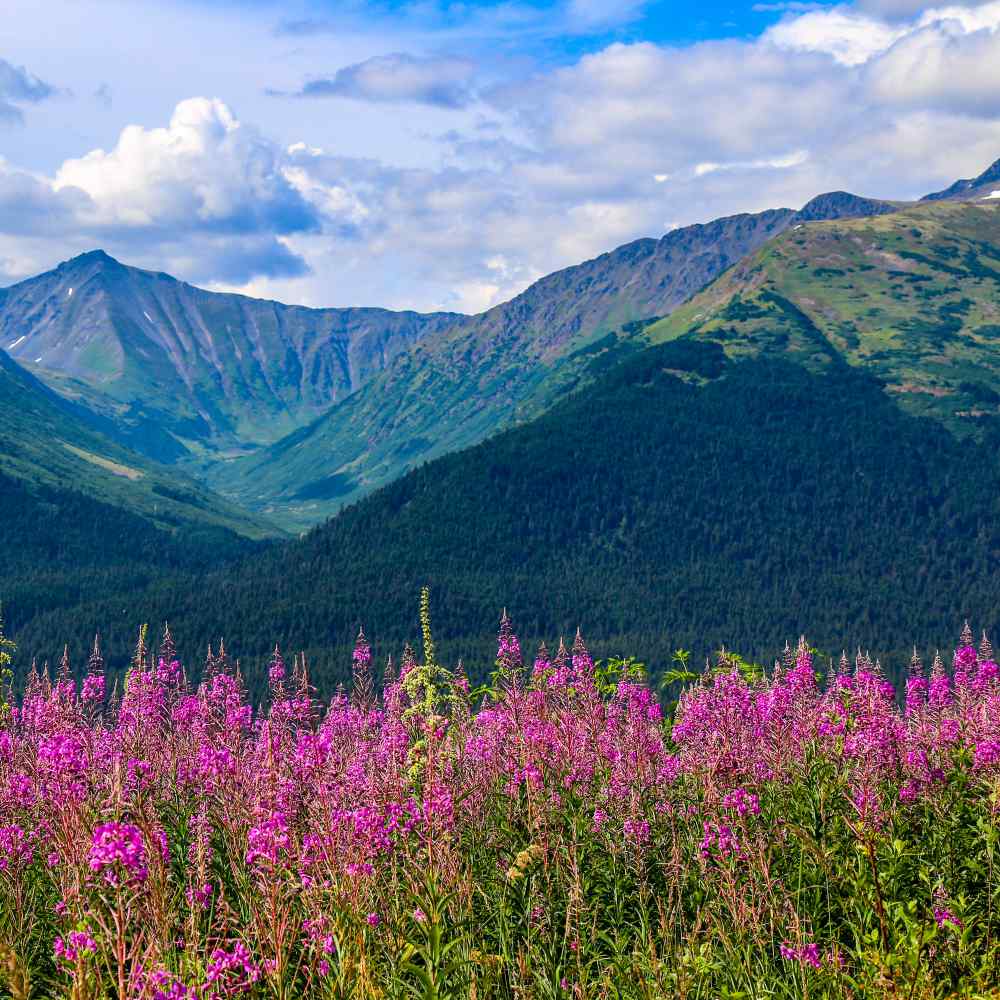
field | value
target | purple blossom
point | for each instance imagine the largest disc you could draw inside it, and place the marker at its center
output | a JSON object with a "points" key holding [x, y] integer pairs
{"points": [[118, 853], [73, 947]]}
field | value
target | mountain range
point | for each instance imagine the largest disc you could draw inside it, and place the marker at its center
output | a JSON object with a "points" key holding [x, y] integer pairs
{"points": [[295, 412], [614, 401]]}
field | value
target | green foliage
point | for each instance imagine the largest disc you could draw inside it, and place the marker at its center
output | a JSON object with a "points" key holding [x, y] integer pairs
{"points": [[608, 674], [435, 957]]}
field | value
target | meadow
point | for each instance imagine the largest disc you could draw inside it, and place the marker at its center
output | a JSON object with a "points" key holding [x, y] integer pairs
{"points": [[565, 831]]}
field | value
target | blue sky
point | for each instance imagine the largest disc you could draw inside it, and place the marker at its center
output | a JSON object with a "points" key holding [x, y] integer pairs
{"points": [[432, 154]]}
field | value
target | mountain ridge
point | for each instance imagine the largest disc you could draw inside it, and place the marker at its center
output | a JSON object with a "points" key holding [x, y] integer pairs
{"points": [[911, 297], [975, 187], [499, 368], [345, 409], [185, 371]]}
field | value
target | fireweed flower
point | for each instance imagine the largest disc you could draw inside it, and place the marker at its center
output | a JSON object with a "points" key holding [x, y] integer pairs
{"points": [[636, 830], [231, 971], [945, 918], [76, 945], [163, 985], [807, 954], [93, 688], [718, 840], [16, 849], [268, 841], [118, 853], [325, 801], [199, 898], [742, 802]]}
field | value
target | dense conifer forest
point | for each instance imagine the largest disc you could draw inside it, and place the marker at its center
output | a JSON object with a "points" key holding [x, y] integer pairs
{"points": [[681, 501]]}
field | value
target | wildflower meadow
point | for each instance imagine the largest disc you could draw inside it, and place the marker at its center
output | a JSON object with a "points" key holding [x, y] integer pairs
{"points": [[565, 831]]}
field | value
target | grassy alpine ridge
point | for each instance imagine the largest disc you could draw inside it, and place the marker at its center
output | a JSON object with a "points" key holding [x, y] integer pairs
{"points": [[555, 835], [910, 297], [684, 499]]}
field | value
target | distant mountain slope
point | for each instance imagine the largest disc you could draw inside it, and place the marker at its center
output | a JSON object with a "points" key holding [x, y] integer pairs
{"points": [[985, 186], [912, 297], [460, 385], [186, 373], [47, 441], [684, 499]]}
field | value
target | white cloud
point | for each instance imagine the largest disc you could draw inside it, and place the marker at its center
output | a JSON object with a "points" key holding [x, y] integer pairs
{"points": [[205, 170], [941, 67], [206, 196], [901, 9], [850, 38], [775, 163], [853, 37], [442, 81]]}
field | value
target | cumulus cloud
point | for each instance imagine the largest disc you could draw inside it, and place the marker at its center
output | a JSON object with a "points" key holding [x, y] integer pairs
{"points": [[203, 171], [854, 38], [206, 195], [18, 86], [439, 81], [940, 67], [851, 38]]}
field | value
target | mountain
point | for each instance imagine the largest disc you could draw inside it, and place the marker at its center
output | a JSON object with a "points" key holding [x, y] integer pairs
{"points": [[196, 378], [186, 374], [809, 442], [51, 442], [911, 297], [985, 186], [486, 372], [684, 499]]}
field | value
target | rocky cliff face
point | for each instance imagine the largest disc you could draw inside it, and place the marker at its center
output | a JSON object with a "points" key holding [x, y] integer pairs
{"points": [[187, 373]]}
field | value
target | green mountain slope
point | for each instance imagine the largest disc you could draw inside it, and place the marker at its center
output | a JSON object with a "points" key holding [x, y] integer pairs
{"points": [[912, 297], [684, 499], [47, 441], [490, 371], [185, 374]]}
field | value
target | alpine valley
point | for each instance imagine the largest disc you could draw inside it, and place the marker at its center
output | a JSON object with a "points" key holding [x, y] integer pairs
{"points": [[787, 418]]}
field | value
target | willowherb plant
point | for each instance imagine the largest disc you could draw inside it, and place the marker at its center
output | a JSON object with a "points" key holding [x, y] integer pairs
{"points": [[564, 837]]}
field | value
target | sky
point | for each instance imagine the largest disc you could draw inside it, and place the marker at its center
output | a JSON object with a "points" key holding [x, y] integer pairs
{"points": [[429, 154]]}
